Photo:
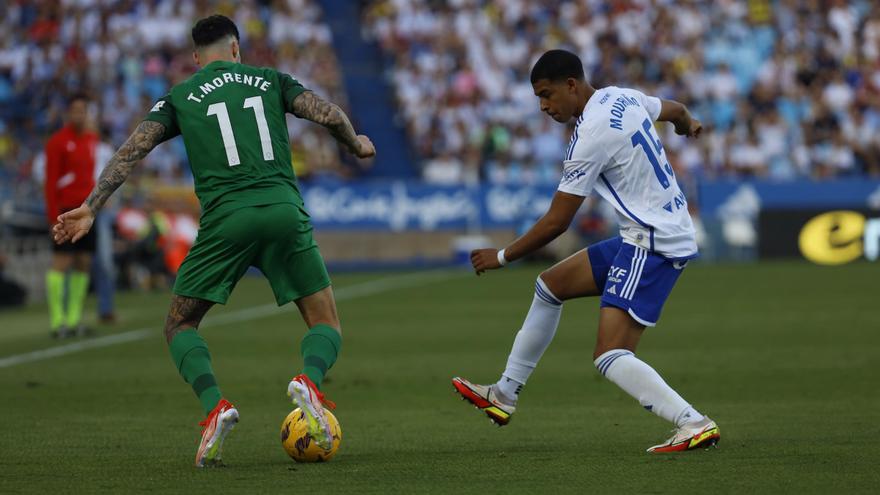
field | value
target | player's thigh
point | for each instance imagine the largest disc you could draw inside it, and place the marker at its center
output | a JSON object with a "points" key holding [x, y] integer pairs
{"points": [[571, 278], [82, 261], [62, 260], [224, 250], [617, 330], [582, 274], [319, 308], [639, 283], [289, 257]]}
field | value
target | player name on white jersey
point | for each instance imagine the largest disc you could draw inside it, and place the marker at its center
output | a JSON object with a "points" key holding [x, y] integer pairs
{"points": [[616, 152]]}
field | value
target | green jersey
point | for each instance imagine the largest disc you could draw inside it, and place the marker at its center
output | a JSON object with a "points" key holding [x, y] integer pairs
{"points": [[232, 118]]}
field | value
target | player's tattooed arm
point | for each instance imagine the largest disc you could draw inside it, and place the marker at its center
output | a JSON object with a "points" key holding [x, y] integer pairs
{"points": [[678, 114], [307, 105], [147, 135]]}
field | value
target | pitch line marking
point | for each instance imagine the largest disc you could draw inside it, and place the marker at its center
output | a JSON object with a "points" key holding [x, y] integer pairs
{"points": [[363, 289]]}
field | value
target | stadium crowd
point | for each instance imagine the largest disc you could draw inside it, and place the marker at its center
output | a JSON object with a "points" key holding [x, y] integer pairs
{"points": [[788, 88], [125, 54]]}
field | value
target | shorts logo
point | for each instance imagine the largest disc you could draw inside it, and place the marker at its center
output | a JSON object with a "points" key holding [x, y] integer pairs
{"points": [[616, 274]]}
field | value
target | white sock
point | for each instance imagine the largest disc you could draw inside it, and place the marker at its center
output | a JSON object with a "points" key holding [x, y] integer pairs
{"points": [[531, 341], [639, 380]]}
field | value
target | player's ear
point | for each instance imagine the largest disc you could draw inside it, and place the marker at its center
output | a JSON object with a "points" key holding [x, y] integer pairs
{"points": [[572, 85], [196, 57], [236, 50]]}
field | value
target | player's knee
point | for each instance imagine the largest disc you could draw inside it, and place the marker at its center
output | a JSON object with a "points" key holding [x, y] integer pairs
{"points": [[545, 290], [332, 323], [600, 349], [175, 324], [62, 263]]}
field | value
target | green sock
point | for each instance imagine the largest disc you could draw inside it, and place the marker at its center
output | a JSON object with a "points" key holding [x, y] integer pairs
{"points": [[76, 297], [190, 354], [319, 349], [55, 298]]}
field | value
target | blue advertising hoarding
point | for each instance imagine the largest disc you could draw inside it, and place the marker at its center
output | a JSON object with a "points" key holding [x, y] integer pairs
{"points": [[403, 205], [411, 205]]}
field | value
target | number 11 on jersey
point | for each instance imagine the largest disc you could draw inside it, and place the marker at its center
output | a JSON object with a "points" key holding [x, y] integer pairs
{"points": [[255, 102]]}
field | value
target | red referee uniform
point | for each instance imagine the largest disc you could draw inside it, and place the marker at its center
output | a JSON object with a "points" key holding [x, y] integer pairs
{"points": [[70, 170]]}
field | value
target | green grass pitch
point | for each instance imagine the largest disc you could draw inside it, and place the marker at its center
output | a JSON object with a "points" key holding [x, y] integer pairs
{"points": [[785, 356]]}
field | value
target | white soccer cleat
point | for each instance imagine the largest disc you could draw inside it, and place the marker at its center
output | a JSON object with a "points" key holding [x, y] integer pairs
{"points": [[217, 425], [307, 396], [484, 398], [704, 433]]}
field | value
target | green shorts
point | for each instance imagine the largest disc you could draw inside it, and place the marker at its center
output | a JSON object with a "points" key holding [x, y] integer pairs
{"points": [[275, 238]]}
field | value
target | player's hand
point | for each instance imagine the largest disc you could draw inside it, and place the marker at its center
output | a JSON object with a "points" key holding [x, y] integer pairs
{"points": [[693, 130], [73, 225], [365, 148], [484, 259]]}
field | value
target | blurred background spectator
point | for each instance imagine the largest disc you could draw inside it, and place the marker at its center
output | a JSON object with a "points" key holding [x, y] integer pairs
{"points": [[789, 88], [125, 54]]}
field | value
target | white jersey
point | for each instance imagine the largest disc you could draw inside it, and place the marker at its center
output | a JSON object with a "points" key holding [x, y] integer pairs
{"points": [[615, 150]]}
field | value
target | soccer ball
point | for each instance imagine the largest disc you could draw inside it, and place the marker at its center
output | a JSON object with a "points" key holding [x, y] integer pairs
{"points": [[299, 445]]}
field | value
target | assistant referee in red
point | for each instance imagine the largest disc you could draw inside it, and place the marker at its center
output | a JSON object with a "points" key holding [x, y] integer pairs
{"points": [[70, 177]]}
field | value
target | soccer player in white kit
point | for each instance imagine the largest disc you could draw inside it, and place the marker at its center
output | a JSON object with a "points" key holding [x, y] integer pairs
{"points": [[615, 151]]}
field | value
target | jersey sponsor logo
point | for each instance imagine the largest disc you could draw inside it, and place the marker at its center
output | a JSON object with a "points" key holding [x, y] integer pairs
{"points": [[573, 175], [158, 106], [678, 201], [617, 108]]}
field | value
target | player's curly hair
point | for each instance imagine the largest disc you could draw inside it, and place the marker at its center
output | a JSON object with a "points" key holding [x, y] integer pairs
{"points": [[212, 29], [557, 65]]}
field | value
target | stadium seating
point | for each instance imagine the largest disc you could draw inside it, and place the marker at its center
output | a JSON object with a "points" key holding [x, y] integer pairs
{"points": [[747, 69], [126, 55]]}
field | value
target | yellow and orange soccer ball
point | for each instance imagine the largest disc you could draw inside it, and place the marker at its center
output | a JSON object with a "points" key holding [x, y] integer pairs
{"points": [[299, 445]]}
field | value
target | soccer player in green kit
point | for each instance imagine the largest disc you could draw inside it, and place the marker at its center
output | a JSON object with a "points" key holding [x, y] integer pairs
{"points": [[232, 119]]}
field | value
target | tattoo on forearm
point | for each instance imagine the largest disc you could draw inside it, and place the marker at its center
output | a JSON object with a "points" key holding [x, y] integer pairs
{"points": [[185, 313], [147, 135], [309, 106]]}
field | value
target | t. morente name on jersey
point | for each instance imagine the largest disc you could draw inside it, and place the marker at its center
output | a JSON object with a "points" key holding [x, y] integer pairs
{"points": [[230, 77]]}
